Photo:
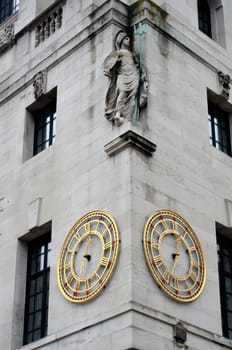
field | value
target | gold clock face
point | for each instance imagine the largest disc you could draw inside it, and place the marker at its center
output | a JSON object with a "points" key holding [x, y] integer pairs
{"points": [[174, 255], [88, 256]]}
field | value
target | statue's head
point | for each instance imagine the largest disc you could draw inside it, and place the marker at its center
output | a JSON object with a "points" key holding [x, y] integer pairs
{"points": [[122, 40]]}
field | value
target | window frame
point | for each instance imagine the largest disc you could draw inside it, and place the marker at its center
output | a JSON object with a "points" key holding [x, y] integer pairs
{"points": [[39, 116], [222, 143], [30, 296]]}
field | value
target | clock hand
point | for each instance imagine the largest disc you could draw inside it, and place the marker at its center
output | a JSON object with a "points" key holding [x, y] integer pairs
{"points": [[176, 255], [86, 255]]}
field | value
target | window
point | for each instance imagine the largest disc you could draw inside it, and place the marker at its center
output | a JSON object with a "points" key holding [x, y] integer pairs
{"points": [[7, 8], [219, 128], [204, 18], [211, 20], [225, 278], [37, 289], [40, 125], [45, 128]]}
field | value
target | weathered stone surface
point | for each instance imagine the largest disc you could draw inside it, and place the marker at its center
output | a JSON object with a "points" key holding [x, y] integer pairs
{"points": [[6, 36], [185, 174]]}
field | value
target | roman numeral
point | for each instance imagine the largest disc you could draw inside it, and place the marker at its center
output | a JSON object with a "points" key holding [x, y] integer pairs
{"points": [[69, 278], [105, 261], [157, 261], [175, 282], [98, 277], [67, 266], [107, 245], [155, 245], [87, 227], [196, 264], [77, 285], [77, 236], [164, 223], [87, 284], [166, 275], [193, 277]]}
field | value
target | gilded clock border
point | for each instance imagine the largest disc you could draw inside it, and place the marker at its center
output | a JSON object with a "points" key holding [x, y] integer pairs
{"points": [[149, 263], [71, 232]]}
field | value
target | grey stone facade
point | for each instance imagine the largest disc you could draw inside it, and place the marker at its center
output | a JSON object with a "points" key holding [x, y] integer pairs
{"points": [[164, 161]]}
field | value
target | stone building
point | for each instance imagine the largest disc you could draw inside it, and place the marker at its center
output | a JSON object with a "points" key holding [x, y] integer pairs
{"points": [[61, 159]]}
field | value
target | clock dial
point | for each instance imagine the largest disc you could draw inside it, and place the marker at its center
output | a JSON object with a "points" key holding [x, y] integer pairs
{"points": [[88, 256], [174, 255]]}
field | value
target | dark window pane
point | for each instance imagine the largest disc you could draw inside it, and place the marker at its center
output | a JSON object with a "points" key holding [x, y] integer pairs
{"points": [[37, 335], [32, 287], [45, 128], [229, 305], [204, 20], [219, 130], [39, 284], [30, 322], [37, 321], [38, 301], [31, 304], [29, 338], [230, 320], [33, 266], [227, 266], [225, 278], [228, 284]]}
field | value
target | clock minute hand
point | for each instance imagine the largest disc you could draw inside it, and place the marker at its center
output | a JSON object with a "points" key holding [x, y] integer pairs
{"points": [[176, 255], [86, 254]]}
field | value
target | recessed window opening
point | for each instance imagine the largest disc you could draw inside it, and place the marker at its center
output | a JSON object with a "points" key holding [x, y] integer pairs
{"points": [[204, 17], [45, 128], [219, 128], [37, 289], [224, 248]]}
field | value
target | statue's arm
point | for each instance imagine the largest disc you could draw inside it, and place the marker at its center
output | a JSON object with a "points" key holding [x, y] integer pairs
{"points": [[110, 62]]}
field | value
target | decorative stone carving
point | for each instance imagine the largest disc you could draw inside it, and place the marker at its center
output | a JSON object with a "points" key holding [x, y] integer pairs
{"points": [[224, 81], [6, 36], [128, 86], [180, 333], [39, 83], [48, 25]]}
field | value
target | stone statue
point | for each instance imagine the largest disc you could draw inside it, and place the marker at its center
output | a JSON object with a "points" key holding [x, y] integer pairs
{"points": [[39, 83], [225, 81], [127, 91]]}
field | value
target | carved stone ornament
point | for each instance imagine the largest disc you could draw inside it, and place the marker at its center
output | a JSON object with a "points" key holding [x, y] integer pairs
{"points": [[224, 80], [180, 333], [6, 36], [128, 86], [39, 83]]}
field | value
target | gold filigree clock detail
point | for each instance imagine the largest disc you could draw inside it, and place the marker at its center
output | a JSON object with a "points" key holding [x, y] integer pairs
{"points": [[88, 256], [174, 255]]}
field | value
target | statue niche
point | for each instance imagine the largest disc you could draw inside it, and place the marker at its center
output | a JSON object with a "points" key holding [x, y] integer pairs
{"points": [[128, 86]]}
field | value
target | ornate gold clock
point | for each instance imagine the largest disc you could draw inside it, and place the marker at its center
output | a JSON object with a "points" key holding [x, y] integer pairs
{"points": [[174, 255], [88, 256]]}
